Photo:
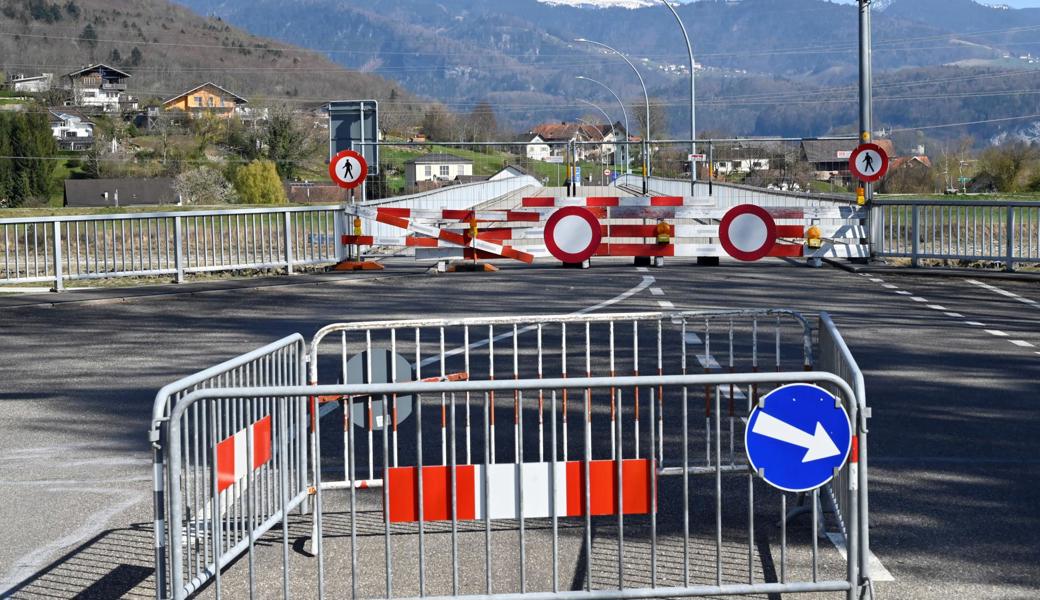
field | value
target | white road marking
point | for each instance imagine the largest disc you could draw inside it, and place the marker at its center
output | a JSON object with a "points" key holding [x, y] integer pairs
{"points": [[1003, 292], [904, 293], [1022, 344], [878, 572], [936, 307], [657, 291], [889, 286], [642, 269], [954, 315], [974, 323], [666, 304], [918, 299], [876, 280], [997, 333], [693, 338]]}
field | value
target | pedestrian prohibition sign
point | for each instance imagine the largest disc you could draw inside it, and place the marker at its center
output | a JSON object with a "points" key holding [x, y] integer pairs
{"points": [[797, 437], [869, 163], [348, 169]]}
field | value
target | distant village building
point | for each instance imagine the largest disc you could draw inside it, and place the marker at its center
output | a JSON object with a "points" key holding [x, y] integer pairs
{"points": [[208, 98], [100, 87], [35, 84], [741, 161], [120, 192], [436, 168], [552, 139], [72, 132]]}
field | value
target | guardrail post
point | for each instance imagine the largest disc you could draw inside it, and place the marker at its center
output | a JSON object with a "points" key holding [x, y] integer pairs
{"points": [[178, 246], [339, 230], [288, 243], [1009, 264], [915, 232], [59, 284]]}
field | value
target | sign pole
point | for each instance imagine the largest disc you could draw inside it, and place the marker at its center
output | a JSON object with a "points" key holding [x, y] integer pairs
{"points": [[866, 97]]}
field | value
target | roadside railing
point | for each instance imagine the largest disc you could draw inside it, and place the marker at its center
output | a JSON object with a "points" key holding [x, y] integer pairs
{"points": [[990, 231], [60, 249]]}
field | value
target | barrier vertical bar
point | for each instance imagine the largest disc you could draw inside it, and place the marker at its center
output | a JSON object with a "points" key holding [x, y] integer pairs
{"points": [[915, 241], [178, 248], [1009, 264], [288, 231], [59, 284]]}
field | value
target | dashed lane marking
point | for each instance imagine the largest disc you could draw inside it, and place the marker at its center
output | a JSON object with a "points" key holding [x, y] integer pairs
{"points": [[1022, 344], [1004, 292], [974, 324], [905, 293], [919, 299], [997, 333], [666, 304], [657, 291], [954, 315], [936, 307], [889, 286]]}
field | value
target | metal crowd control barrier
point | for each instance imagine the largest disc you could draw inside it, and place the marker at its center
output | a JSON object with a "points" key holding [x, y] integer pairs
{"points": [[609, 512], [970, 230], [60, 249], [206, 541]]}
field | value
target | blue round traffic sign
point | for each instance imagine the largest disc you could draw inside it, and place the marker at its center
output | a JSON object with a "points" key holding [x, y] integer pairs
{"points": [[797, 437]]}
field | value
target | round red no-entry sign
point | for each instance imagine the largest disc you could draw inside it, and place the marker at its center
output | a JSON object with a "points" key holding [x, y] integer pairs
{"points": [[573, 234], [748, 233], [348, 169]]}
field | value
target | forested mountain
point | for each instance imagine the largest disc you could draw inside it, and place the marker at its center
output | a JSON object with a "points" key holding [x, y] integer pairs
{"points": [[795, 58]]}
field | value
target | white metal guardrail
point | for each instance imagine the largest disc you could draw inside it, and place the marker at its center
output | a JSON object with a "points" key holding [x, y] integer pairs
{"points": [[968, 230], [655, 536], [60, 249]]}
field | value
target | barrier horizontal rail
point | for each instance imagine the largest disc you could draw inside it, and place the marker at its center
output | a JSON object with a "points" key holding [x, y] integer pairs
{"points": [[397, 578], [969, 230], [60, 249]]}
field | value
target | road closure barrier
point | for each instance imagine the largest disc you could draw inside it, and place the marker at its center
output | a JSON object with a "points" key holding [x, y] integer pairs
{"points": [[543, 458]]}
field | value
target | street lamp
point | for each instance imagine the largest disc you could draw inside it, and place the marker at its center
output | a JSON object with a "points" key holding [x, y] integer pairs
{"points": [[624, 111], [693, 96], [646, 97], [612, 130]]}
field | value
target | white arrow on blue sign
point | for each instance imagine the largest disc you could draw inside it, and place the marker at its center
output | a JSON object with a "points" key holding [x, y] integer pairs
{"points": [[797, 437]]}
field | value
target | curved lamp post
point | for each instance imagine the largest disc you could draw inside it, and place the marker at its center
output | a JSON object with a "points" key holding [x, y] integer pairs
{"points": [[624, 111], [646, 97], [693, 94]]}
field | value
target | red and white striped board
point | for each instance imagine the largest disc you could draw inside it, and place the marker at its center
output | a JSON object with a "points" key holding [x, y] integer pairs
{"points": [[234, 462], [540, 497]]}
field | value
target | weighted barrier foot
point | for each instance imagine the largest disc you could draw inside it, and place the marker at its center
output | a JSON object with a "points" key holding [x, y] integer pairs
{"points": [[644, 261], [469, 267], [353, 265], [582, 265], [708, 261]]}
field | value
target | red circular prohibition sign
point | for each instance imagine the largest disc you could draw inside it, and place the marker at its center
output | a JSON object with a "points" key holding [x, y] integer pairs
{"points": [[341, 180], [748, 233], [880, 170], [573, 234]]}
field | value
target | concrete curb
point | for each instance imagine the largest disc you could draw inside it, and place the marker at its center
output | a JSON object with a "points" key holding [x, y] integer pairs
{"points": [[939, 272]]}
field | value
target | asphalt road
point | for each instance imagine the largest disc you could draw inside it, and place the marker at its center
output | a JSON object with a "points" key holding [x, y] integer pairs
{"points": [[952, 370]]}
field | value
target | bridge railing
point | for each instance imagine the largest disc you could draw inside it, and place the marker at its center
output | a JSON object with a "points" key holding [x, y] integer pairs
{"points": [[59, 249], [954, 230]]}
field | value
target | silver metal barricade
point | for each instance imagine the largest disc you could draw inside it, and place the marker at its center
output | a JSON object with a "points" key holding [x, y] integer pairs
{"points": [[616, 527], [280, 363]]}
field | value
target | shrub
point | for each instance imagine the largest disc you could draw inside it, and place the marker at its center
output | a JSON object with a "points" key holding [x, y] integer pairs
{"points": [[258, 183]]}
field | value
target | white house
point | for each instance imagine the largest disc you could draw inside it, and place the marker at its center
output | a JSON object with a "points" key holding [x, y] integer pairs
{"points": [[726, 166], [537, 149], [72, 132], [99, 86], [32, 85], [435, 168]]}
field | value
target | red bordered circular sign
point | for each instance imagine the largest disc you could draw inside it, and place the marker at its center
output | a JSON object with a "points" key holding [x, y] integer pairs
{"points": [[869, 163], [348, 169], [573, 234], [748, 233]]}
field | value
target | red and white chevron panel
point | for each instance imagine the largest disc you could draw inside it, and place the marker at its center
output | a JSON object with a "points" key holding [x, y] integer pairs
{"points": [[234, 463], [539, 495]]}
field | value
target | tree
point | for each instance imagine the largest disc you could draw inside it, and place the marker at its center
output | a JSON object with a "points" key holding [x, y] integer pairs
{"points": [[90, 39], [287, 144], [136, 58], [1005, 163], [204, 186], [258, 183], [658, 118], [115, 57], [27, 148], [439, 125], [481, 124]]}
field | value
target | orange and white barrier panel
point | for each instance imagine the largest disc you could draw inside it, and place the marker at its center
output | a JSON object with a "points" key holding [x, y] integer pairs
{"points": [[234, 461]]}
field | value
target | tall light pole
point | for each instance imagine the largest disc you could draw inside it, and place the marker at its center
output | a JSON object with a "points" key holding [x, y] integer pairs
{"points": [[693, 96], [624, 112], [646, 97], [866, 98], [612, 130]]}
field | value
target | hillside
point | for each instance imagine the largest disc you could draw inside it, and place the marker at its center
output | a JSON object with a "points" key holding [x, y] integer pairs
{"points": [[168, 49]]}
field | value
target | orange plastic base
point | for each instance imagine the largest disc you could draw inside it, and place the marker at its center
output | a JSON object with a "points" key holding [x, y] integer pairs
{"points": [[350, 265]]}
